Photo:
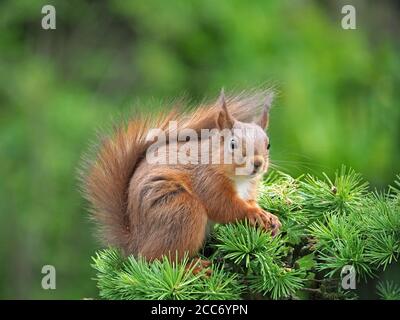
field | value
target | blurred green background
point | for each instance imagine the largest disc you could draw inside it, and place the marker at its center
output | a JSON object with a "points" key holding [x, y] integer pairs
{"points": [[338, 102]]}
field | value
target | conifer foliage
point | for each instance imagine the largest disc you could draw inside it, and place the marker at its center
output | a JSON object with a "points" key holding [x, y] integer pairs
{"points": [[327, 224]]}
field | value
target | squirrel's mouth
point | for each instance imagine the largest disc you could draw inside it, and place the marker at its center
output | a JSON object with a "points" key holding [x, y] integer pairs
{"points": [[259, 171], [256, 172]]}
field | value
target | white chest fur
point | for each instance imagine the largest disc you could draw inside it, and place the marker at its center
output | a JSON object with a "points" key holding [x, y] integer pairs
{"points": [[244, 188]]}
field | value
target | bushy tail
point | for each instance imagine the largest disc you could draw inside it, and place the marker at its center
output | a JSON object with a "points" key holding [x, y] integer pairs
{"points": [[105, 180]]}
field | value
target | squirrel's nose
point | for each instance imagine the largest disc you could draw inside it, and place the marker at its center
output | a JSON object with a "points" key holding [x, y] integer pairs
{"points": [[257, 163]]}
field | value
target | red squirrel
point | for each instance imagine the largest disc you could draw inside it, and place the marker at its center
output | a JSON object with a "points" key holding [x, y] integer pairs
{"points": [[152, 210]]}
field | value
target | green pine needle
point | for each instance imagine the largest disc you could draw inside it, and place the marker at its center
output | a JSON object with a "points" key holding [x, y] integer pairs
{"points": [[242, 243], [131, 279], [276, 281], [383, 249], [326, 225], [340, 196], [388, 290]]}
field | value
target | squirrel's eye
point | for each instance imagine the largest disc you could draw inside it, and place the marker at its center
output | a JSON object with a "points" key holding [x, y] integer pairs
{"points": [[233, 144], [268, 146]]}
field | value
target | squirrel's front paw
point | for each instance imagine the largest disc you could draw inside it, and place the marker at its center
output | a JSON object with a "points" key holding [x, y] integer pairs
{"points": [[265, 219]]}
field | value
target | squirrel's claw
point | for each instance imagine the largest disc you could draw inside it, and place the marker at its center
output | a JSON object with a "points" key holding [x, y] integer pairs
{"points": [[200, 265], [266, 220], [274, 223]]}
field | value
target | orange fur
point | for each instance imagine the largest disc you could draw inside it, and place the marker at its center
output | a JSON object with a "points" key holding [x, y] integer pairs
{"points": [[154, 210]]}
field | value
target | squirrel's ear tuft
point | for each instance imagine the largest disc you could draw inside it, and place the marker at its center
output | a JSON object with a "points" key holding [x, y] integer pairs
{"points": [[224, 118], [264, 119]]}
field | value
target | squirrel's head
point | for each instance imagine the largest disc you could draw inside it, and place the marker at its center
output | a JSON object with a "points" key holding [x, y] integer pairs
{"points": [[247, 144]]}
